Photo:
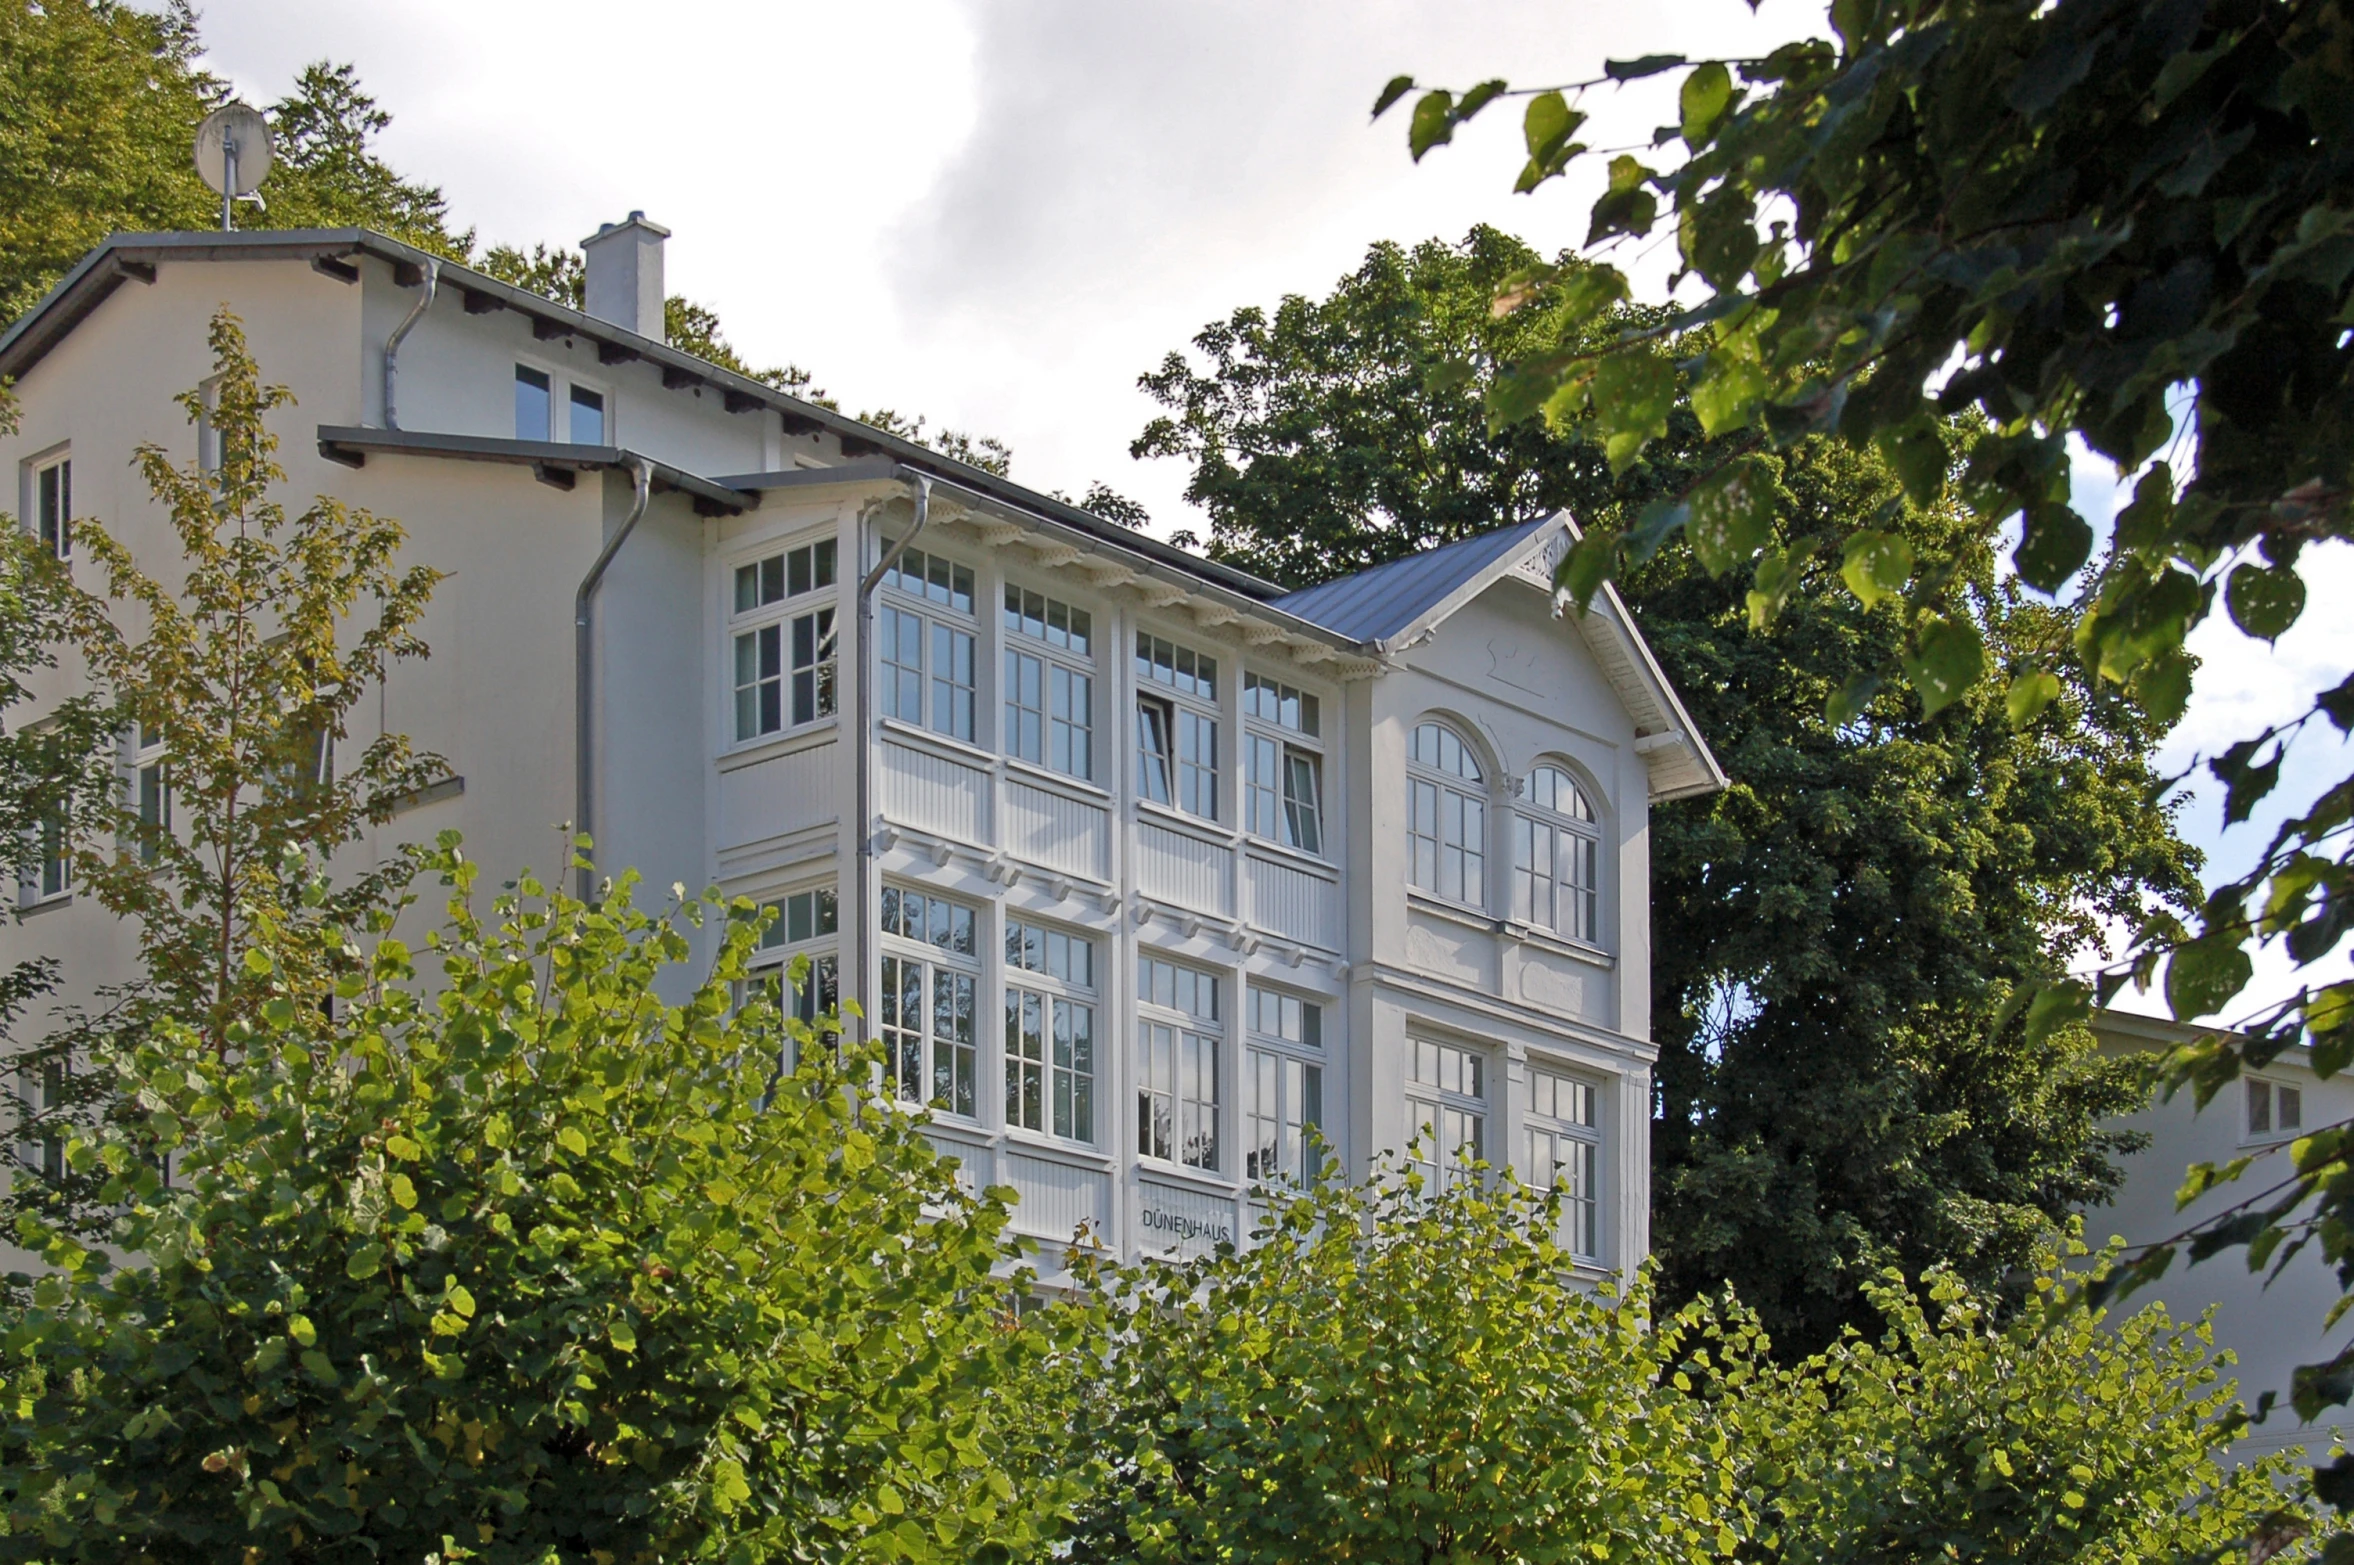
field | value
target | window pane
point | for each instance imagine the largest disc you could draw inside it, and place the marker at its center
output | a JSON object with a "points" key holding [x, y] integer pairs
{"points": [[1152, 750], [532, 404], [588, 417], [952, 681], [2259, 1108]]}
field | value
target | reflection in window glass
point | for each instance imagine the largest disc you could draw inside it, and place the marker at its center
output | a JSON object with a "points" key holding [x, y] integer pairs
{"points": [[534, 403]]}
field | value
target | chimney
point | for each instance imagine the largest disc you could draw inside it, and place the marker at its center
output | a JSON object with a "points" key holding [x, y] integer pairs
{"points": [[624, 283]]}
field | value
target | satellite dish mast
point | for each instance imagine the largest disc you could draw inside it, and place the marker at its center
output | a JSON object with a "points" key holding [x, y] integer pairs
{"points": [[233, 154]]}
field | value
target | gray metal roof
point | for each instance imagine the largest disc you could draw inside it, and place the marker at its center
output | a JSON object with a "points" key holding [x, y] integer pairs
{"points": [[1383, 600]]}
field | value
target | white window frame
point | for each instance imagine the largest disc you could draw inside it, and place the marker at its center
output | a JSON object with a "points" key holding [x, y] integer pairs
{"points": [[604, 396], [807, 618], [1561, 1128], [1180, 1063], [803, 922], [554, 389], [925, 588], [1171, 703], [1550, 847], [1280, 733], [1283, 1085], [1444, 1108], [2271, 1109], [1053, 1038], [40, 519], [1446, 816], [918, 1048], [1063, 655], [49, 876], [147, 780]]}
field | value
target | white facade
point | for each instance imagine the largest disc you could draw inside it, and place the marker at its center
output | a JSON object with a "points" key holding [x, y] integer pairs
{"points": [[2271, 1325], [1164, 867]]}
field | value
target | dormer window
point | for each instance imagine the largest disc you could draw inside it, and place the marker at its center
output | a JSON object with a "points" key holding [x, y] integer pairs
{"points": [[1447, 816]]}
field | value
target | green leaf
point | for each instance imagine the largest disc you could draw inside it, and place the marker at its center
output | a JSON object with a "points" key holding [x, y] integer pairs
{"points": [[257, 961], [1637, 69], [364, 1262], [2162, 684], [1732, 515], [1706, 93], [2054, 1006], [321, 1368], [1433, 123], [1848, 702], [1916, 450], [404, 1193], [1627, 207], [1586, 566], [2204, 975], [1634, 390], [2029, 694], [1398, 87], [1876, 565], [1477, 99], [1547, 125], [1948, 656], [622, 1336], [2055, 546], [2264, 601], [572, 1141], [299, 1327]]}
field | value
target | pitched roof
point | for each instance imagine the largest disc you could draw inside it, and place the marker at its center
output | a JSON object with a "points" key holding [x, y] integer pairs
{"points": [[1383, 600], [1392, 606]]}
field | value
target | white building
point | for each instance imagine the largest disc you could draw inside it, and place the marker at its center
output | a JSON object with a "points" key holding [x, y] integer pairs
{"points": [[1143, 866], [2272, 1325]]}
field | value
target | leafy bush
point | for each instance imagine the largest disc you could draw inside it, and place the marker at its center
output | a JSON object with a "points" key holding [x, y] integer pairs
{"points": [[524, 1266]]}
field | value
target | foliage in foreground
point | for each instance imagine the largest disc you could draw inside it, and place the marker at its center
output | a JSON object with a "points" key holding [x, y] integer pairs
{"points": [[1391, 1375], [535, 1269], [1836, 934], [2123, 223]]}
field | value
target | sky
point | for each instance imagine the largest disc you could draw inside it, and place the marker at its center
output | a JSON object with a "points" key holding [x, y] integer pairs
{"points": [[998, 215]]}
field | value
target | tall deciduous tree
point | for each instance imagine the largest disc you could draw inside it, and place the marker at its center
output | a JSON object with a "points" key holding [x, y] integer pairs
{"points": [[1835, 937], [525, 1265], [2063, 216], [238, 671]]}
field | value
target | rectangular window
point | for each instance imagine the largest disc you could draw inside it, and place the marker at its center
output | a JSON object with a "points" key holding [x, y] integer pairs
{"points": [[929, 1001], [1050, 1032], [1285, 1075], [1446, 833], [2274, 1109], [928, 674], [804, 924], [53, 506], [1555, 878], [534, 403], [1177, 732], [588, 417], [1049, 694], [1564, 1154], [1449, 1103], [1177, 1063], [1283, 793], [52, 872], [785, 669], [151, 785], [1278, 705], [953, 682]]}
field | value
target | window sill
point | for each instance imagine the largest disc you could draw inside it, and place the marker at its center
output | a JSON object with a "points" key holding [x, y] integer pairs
{"points": [[1299, 856], [1192, 825], [1031, 773], [44, 904], [1055, 1149], [1559, 945], [1202, 1180], [963, 751], [1420, 901], [767, 748]]}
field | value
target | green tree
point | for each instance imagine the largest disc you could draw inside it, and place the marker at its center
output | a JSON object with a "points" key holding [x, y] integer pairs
{"points": [[524, 1265], [1835, 936], [1391, 1374], [326, 173], [240, 670], [1974, 1429], [2062, 216]]}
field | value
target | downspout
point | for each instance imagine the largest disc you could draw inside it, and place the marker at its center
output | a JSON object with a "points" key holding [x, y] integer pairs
{"points": [[392, 344], [584, 668], [866, 714]]}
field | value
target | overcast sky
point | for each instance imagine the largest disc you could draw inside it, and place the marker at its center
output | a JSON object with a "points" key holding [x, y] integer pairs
{"points": [[997, 215]]}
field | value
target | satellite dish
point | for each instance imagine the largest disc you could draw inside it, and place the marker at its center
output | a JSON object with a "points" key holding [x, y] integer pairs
{"points": [[233, 152]]}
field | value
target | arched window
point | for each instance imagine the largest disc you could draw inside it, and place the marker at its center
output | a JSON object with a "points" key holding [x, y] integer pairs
{"points": [[1556, 855], [1447, 816]]}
